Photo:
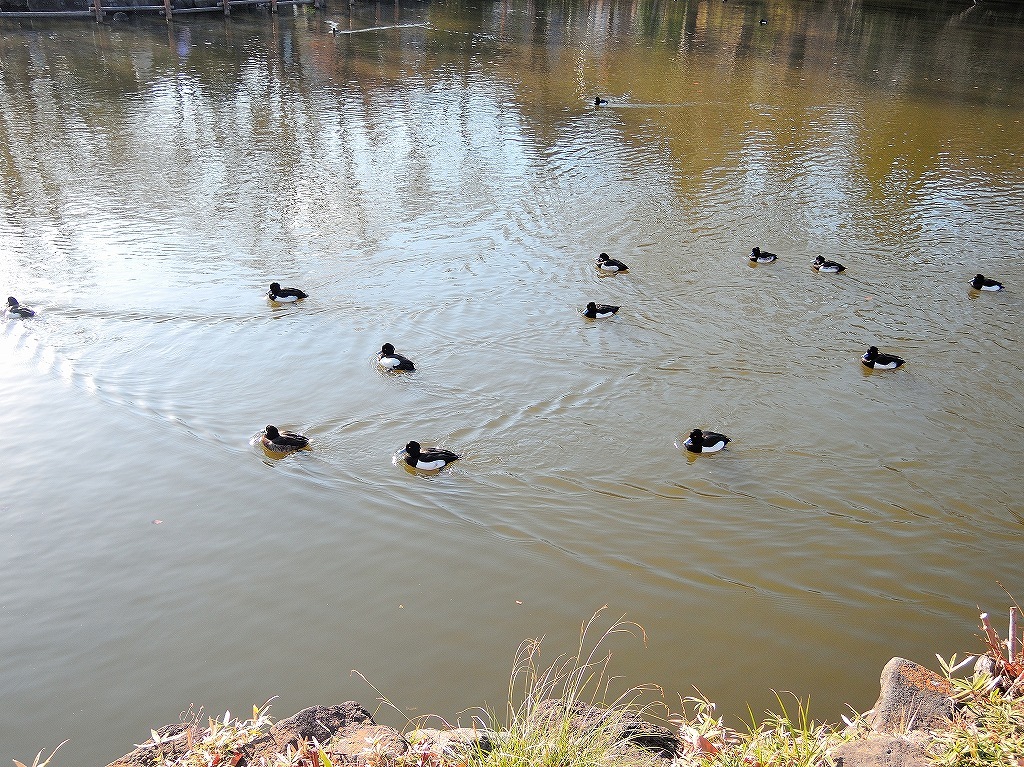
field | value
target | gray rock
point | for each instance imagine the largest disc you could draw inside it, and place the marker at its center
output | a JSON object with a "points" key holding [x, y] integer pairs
{"points": [[911, 698], [630, 728], [321, 723], [882, 751], [366, 744], [456, 742]]}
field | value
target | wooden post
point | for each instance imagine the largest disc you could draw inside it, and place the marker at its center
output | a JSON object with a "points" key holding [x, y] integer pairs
{"points": [[273, 6], [1011, 642], [168, 11], [227, 7], [98, 7]]}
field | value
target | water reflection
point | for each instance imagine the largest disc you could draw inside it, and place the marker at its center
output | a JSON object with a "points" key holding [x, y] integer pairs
{"points": [[184, 44]]}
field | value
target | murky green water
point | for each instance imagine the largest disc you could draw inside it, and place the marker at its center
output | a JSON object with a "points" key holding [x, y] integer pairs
{"points": [[437, 176]]}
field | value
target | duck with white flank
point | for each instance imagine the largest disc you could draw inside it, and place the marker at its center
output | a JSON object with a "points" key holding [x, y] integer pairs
{"points": [[608, 264], [282, 441], [14, 309], [980, 282], [758, 256], [829, 267], [701, 441], [598, 101], [284, 295], [599, 311], [389, 360], [877, 360], [431, 459]]}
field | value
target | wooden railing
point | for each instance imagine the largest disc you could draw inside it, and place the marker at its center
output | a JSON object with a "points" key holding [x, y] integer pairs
{"points": [[167, 9]]}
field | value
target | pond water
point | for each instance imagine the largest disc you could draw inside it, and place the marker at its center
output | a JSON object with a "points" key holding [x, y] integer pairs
{"points": [[437, 175]]}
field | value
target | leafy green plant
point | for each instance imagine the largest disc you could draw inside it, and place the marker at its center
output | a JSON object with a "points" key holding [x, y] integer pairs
{"points": [[790, 738], [219, 745], [988, 727], [966, 690], [991, 733], [784, 738]]}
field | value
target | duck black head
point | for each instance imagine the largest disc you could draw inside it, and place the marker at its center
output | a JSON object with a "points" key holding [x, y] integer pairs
{"points": [[755, 252], [275, 287], [872, 352], [412, 448], [819, 259], [12, 302], [387, 350], [272, 432], [696, 437], [591, 307], [603, 257]]}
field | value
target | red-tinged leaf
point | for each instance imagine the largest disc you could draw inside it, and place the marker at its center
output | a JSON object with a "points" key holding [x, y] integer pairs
{"points": [[705, 746]]}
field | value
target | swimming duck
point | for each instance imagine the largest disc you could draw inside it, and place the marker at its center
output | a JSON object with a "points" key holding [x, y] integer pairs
{"points": [[705, 441], [598, 101], [758, 256], [980, 282], [877, 360], [284, 295], [282, 441], [389, 360], [428, 460], [599, 311], [608, 264], [14, 309], [831, 267]]}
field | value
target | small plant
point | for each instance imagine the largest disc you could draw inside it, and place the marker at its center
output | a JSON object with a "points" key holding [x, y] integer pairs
{"points": [[36, 762], [966, 690], [787, 738], [219, 745], [988, 727], [790, 739], [702, 734], [991, 733], [560, 715]]}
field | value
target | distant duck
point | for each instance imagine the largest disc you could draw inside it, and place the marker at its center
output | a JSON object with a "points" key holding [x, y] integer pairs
{"points": [[428, 460], [757, 256], [284, 295], [598, 101], [764, 21], [831, 267], [877, 360], [980, 282], [282, 441], [608, 264], [14, 309], [388, 359], [599, 311], [701, 441]]}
